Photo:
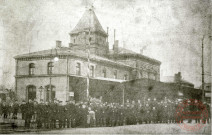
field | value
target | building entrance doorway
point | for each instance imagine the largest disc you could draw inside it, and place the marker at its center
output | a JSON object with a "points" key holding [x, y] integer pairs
{"points": [[50, 93], [31, 92]]}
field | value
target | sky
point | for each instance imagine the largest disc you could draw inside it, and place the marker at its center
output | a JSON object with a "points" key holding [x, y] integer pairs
{"points": [[167, 30]]}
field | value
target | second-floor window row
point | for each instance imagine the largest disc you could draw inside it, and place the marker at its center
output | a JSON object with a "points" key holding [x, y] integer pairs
{"points": [[50, 68]]}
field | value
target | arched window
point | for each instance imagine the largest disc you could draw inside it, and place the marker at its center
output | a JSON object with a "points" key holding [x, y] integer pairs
{"points": [[50, 67], [31, 92], [50, 93], [31, 68]]}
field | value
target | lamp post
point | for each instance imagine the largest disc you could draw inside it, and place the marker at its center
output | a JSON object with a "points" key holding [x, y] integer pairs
{"points": [[55, 59], [40, 90]]}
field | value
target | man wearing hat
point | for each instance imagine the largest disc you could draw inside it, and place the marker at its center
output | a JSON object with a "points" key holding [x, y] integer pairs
{"points": [[29, 113], [40, 114], [15, 109]]}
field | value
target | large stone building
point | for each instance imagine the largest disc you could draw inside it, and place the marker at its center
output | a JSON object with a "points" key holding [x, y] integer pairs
{"points": [[41, 76]]}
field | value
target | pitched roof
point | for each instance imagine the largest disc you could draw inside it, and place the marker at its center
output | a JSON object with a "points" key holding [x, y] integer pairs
{"points": [[64, 51], [89, 20], [123, 52]]}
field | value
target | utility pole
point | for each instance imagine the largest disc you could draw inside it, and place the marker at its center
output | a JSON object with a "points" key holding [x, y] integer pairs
{"points": [[123, 94], [50, 80], [203, 92], [88, 57]]}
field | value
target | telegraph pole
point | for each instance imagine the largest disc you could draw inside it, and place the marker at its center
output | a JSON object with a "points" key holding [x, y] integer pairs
{"points": [[88, 57], [203, 92]]}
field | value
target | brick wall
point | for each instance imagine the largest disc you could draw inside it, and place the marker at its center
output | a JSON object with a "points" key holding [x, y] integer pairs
{"points": [[141, 89], [58, 82]]}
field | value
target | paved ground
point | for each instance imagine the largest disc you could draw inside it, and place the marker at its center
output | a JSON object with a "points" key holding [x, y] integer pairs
{"points": [[131, 129]]}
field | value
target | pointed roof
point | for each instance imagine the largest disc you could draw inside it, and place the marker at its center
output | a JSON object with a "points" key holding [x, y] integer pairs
{"points": [[89, 20]]}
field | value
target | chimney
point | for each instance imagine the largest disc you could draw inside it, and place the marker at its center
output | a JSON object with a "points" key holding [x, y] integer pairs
{"points": [[115, 46], [58, 44], [178, 77]]}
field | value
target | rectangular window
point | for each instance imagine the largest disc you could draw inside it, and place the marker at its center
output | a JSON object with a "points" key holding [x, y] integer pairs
{"points": [[31, 69], [115, 74], [91, 71], [104, 73], [78, 69], [125, 77], [50, 68]]}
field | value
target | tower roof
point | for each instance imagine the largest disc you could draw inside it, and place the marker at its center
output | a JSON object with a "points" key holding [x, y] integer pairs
{"points": [[88, 20]]}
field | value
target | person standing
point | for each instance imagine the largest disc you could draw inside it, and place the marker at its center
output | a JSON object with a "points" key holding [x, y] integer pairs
{"points": [[1, 108], [73, 114], [4, 110], [29, 113], [15, 109], [39, 120], [147, 113], [23, 108]]}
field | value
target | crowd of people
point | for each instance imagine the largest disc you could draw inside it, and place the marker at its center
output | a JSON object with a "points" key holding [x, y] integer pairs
{"points": [[89, 114]]}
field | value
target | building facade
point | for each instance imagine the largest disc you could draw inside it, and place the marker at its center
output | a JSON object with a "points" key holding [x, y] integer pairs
{"points": [[207, 92], [47, 75]]}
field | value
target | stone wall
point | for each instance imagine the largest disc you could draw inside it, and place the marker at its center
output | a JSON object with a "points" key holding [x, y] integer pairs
{"points": [[60, 67], [60, 84], [134, 90]]}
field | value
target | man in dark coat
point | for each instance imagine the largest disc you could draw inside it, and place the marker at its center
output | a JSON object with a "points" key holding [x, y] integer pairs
{"points": [[29, 113], [15, 109], [5, 109], [53, 114], [23, 108], [147, 110], [39, 115]]}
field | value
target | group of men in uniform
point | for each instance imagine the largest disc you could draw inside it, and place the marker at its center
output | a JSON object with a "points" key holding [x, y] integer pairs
{"points": [[55, 115]]}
